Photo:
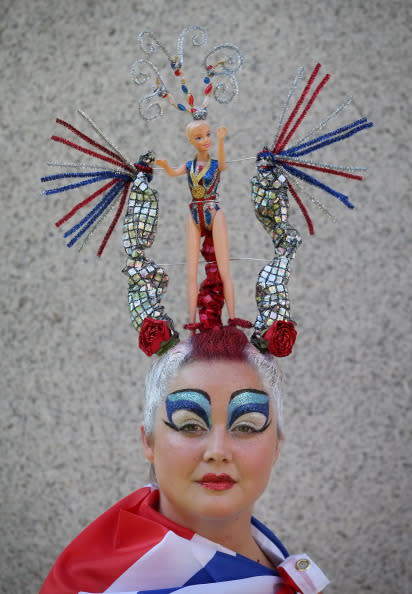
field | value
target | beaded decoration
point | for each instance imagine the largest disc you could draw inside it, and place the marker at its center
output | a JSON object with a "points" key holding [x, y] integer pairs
{"points": [[222, 62]]}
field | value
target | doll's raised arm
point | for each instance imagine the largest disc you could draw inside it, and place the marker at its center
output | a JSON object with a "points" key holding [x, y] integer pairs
{"points": [[221, 134], [164, 164]]}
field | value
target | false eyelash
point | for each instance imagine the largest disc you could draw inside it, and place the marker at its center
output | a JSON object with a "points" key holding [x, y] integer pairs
{"points": [[175, 427], [265, 426]]}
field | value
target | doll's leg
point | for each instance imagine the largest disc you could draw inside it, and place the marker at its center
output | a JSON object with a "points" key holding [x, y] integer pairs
{"points": [[221, 243], [192, 259]]}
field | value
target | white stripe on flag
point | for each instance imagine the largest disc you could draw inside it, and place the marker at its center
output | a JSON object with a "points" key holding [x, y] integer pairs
{"points": [[264, 584], [169, 564]]}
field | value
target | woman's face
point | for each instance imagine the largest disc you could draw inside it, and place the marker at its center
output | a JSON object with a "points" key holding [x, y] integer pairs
{"points": [[200, 137], [214, 443]]}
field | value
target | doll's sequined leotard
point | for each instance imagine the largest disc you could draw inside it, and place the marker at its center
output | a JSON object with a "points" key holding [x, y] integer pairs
{"points": [[203, 185]]}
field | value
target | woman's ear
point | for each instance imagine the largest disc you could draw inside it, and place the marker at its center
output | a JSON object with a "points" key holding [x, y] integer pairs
{"points": [[147, 441]]}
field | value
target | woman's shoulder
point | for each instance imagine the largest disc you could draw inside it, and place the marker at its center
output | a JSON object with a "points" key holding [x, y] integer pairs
{"points": [[108, 534]]}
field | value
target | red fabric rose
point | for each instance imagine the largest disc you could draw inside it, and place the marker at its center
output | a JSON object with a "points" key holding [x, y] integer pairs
{"points": [[280, 338], [152, 334]]}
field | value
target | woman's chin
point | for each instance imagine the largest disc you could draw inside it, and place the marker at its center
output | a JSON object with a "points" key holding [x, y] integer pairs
{"points": [[221, 505]]}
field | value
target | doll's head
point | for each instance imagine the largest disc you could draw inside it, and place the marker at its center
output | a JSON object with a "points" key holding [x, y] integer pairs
{"points": [[198, 134]]}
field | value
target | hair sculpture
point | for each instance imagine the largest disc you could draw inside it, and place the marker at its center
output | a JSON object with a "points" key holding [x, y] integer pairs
{"points": [[281, 170]]}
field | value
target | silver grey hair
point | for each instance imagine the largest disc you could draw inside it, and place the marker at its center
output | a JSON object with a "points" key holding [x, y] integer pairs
{"points": [[168, 365], [158, 379]]}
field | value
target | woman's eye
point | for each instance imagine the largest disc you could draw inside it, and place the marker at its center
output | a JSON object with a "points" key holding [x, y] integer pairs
{"points": [[192, 428], [188, 422], [244, 428], [252, 422]]}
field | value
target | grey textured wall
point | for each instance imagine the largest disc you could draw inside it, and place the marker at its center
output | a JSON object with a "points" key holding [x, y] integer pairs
{"points": [[71, 379]]}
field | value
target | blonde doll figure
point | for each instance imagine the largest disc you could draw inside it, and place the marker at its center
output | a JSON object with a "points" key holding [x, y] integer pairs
{"points": [[206, 217]]}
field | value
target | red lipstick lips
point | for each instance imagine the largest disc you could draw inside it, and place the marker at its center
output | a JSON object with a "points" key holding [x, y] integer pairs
{"points": [[217, 482]]}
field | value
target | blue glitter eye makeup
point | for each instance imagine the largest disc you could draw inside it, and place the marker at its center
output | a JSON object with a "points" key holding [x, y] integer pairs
{"points": [[251, 409], [187, 407]]}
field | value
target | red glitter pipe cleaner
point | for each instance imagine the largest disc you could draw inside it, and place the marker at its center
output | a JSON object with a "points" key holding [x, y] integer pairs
{"points": [[90, 152], [87, 138], [305, 111], [115, 219], [296, 108], [302, 208], [84, 202]]}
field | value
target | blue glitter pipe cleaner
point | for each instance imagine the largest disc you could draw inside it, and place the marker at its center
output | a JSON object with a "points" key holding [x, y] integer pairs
{"points": [[312, 180], [97, 178], [326, 139], [94, 214]]}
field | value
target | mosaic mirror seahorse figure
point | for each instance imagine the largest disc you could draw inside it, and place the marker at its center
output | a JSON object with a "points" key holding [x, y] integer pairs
{"points": [[278, 170], [124, 185], [148, 281]]}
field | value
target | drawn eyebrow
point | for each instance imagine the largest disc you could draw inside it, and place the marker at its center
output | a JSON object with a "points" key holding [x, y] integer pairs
{"points": [[189, 391], [245, 401], [261, 393]]}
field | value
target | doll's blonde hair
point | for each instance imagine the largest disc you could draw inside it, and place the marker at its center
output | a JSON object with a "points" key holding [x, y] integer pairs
{"points": [[193, 125]]}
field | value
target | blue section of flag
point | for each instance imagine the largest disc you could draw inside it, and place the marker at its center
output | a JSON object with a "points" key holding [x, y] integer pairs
{"points": [[271, 536], [223, 567]]}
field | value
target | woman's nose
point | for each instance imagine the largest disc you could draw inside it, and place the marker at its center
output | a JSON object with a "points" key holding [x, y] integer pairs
{"points": [[218, 446]]}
